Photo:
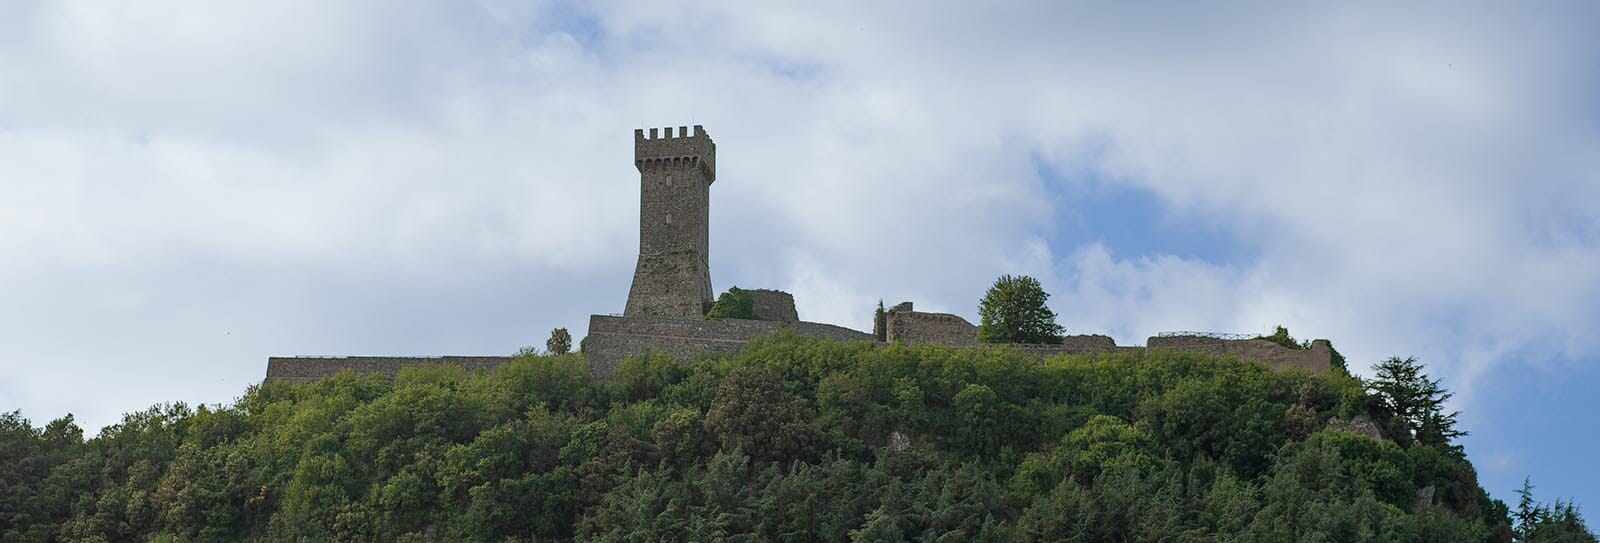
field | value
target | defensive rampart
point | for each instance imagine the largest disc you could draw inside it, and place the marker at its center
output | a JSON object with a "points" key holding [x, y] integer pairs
{"points": [[773, 305], [1317, 359], [903, 323], [945, 329], [613, 338]]}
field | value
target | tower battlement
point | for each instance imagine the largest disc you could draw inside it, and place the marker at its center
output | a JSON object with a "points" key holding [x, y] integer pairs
{"points": [[678, 149]]}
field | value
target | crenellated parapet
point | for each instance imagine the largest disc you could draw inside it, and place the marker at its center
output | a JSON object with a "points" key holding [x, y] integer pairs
{"points": [[662, 149]]}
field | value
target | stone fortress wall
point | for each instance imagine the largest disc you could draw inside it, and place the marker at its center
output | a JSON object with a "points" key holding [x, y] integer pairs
{"points": [[903, 323], [612, 339], [1319, 358], [671, 293], [773, 305]]}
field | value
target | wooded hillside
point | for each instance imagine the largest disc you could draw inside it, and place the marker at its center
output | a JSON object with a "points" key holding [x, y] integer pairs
{"points": [[791, 439]]}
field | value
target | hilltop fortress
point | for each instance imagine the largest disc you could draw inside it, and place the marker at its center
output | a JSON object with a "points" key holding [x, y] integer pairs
{"points": [[672, 292]]}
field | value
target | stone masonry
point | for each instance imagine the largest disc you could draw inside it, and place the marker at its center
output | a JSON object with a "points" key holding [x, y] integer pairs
{"points": [[671, 290], [902, 323], [673, 276], [613, 339], [1319, 358], [773, 305]]}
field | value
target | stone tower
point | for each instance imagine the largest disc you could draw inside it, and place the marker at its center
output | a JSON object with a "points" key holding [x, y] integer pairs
{"points": [[673, 277]]}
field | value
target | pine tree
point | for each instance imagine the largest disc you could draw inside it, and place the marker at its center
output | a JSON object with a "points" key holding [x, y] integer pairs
{"points": [[560, 341], [1415, 401], [1527, 515]]}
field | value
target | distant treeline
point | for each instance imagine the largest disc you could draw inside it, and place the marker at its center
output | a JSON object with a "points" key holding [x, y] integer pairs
{"points": [[790, 439]]}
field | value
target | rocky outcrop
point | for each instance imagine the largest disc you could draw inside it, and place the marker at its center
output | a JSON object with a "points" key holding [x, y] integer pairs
{"points": [[1361, 425]]}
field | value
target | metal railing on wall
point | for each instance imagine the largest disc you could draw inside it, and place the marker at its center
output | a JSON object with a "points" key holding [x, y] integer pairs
{"points": [[1212, 335]]}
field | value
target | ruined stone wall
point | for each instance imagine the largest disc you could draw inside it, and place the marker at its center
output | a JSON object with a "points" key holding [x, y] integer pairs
{"points": [[301, 369], [904, 324], [773, 305], [612, 338], [1088, 343], [1082, 344], [1318, 359], [1193, 344], [908, 326]]}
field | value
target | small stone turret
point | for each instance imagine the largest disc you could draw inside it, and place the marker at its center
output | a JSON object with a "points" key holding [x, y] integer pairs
{"points": [[673, 276]]}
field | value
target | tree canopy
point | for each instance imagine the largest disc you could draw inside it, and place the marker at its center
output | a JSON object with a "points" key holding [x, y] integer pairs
{"points": [[736, 303], [1413, 403], [560, 341], [1014, 311]]}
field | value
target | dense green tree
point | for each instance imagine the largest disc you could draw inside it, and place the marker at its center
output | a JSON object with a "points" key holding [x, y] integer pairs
{"points": [[560, 342], [30, 502], [1014, 311], [1539, 523], [1413, 403], [1280, 336], [1528, 511], [736, 303], [753, 411]]}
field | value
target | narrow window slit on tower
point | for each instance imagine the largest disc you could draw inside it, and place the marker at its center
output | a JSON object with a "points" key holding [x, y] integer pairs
{"points": [[669, 218], [669, 181]]}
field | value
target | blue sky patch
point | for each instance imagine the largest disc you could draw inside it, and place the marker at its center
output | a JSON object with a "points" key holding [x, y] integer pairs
{"points": [[1130, 220], [1517, 429], [573, 19]]}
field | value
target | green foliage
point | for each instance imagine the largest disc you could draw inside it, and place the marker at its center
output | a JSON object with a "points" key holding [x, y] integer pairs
{"points": [[1555, 523], [736, 303], [754, 411], [28, 456], [560, 342], [1281, 336], [1337, 361], [1013, 311], [1413, 404], [790, 439], [1106, 443]]}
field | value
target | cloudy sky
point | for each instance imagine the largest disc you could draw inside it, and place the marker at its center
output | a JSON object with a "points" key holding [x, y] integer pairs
{"points": [[187, 188]]}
